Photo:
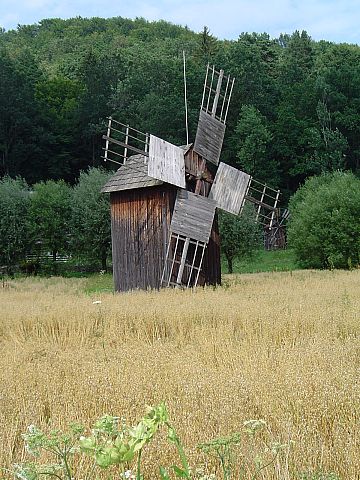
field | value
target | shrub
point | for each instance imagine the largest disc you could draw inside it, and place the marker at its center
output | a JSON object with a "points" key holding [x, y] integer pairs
{"points": [[91, 224], [14, 222], [50, 216], [324, 229]]}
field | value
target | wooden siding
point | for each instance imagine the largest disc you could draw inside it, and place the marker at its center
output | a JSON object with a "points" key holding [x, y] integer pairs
{"points": [[193, 216], [166, 162], [209, 137], [229, 188], [140, 222]]}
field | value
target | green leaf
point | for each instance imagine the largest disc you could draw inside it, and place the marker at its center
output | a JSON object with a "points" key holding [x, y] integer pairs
{"points": [[164, 474], [179, 472]]}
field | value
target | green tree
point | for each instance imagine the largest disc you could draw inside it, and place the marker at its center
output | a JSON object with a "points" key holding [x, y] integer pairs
{"points": [[90, 225], [324, 229], [14, 221], [58, 98], [240, 235], [24, 135], [207, 44], [50, 213], [252, 140], [295, 111]]}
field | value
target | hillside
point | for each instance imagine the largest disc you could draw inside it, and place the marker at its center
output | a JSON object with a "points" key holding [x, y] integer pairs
{"points": [[294, 112]]}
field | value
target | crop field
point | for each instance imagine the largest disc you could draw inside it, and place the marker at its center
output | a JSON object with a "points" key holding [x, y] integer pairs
{"points": [[282, 347]]}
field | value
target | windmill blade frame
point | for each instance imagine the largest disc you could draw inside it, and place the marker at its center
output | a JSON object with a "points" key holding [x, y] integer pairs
{"points": [[213, 113]]}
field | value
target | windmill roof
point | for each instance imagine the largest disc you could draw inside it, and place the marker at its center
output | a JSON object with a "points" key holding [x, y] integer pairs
{"points": [[133, 175], [130, 176]]}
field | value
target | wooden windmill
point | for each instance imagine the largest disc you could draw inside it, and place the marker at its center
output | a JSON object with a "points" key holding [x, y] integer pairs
{"points": [[188, 222]]}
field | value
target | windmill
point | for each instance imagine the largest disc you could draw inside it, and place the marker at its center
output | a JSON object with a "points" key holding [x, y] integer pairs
{"points": [[189, 171]]}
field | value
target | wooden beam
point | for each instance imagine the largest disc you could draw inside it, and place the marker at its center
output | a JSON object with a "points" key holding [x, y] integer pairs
{"points": [[182, 262], [258, 202], [125, 145]]}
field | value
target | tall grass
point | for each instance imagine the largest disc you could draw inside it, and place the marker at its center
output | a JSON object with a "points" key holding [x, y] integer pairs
{"points": [[283, 347]]}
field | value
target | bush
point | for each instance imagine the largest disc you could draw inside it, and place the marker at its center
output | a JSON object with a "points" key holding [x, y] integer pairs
{"points": [[50, 217], [324, 229], [91, 222], [14, 222]]}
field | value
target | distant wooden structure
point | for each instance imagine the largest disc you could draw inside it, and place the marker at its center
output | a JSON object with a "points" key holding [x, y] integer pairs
{"points": [[164, 198], [275, 237]]}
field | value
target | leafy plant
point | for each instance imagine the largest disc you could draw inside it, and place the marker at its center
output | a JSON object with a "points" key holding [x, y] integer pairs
{"points": [[61, 446], [112, 442], [240, 235]]}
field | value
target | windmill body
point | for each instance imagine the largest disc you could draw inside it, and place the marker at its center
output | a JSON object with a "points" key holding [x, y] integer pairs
{"points": [[164, 199], [141, 213]]}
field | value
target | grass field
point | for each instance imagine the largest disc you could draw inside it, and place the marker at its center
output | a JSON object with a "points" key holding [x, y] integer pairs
{"points": [[281, 346], [265, 261]]}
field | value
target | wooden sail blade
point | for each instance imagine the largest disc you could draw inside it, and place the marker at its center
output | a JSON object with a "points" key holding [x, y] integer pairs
{"points": [[193, 216], [166, 162], [213, 113], [209, 137], [229, 188]]}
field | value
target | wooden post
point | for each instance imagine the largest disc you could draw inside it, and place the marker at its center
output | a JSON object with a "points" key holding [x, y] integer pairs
{"points": [[261, 200], [193, 263], [107, 140], [126, 141], [224, 99], [200, 265], [173, 260], [273, 213], [217, 93], [210, 88], [228, 102], [183, 260], [205, 83]]}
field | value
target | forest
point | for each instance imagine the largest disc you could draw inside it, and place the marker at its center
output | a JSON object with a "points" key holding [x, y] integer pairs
{"points": [[295, 110]]}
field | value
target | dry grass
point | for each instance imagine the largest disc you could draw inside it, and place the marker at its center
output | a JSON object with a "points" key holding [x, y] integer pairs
{"points": [[283, 347]]}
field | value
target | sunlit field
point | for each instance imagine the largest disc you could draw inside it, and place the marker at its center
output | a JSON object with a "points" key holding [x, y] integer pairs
{"points": [[283, 347]]}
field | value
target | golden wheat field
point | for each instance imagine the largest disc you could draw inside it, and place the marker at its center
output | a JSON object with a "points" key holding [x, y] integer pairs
{"points": [[282, 347]]}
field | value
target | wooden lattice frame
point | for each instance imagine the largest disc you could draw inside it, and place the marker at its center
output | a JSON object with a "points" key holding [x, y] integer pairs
{"points": [[182, 264]]}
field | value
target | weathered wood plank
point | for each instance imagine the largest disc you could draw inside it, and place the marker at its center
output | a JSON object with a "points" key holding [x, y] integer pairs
{"points": [[229, 188], [209, 137], [193, 216], [140, 228], [166, 162]]}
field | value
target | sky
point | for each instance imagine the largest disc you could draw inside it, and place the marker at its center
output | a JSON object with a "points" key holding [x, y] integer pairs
{"points": [[332, 20]]}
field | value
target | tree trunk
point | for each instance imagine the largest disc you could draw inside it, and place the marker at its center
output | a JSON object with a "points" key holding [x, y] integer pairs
{"points": [[230, 263], [103, 262]]}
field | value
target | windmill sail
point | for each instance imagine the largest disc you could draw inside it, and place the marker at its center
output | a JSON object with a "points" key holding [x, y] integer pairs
{"points": [[190, 232], [265, 200], [213, 113], [166, 162], [122, 139], [230, 188]]}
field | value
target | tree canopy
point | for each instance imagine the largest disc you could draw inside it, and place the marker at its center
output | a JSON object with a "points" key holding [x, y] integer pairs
{"points": [[325, 224], [294, 112]]}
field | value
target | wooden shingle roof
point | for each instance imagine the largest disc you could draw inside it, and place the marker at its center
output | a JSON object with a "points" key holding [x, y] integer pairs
{"points": [[130, 176]]}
